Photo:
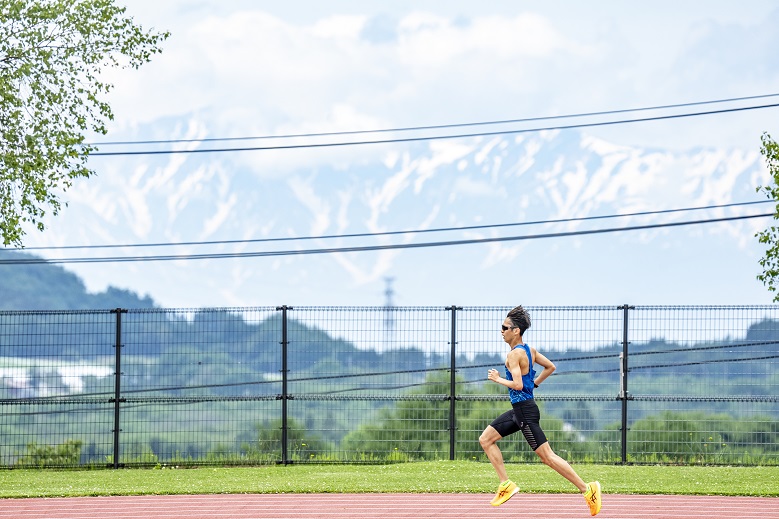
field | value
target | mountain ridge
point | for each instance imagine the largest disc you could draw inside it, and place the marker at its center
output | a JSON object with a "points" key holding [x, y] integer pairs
{"points": [[51, 287], [551, 175]]}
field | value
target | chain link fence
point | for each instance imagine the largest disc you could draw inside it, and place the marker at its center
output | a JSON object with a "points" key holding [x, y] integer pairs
{"points": [[266, 385]]}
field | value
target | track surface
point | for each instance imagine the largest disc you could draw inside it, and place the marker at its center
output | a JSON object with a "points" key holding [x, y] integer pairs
{"points": [[387, 506]]}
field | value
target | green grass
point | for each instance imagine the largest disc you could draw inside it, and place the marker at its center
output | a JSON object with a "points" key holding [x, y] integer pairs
{"points": [[430, 477]]}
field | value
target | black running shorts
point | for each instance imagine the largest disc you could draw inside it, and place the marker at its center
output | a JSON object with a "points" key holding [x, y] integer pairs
{"points": [[524, 416]]}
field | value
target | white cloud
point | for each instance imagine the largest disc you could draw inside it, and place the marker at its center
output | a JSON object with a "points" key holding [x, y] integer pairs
{"points": [[428, 40], [340, 27]]}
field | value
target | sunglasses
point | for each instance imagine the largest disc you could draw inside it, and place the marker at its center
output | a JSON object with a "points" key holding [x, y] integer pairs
{"points": [[504, 327]]}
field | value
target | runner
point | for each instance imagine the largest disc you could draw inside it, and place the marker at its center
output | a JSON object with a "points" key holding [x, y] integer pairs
{"points": [[525, 415]]}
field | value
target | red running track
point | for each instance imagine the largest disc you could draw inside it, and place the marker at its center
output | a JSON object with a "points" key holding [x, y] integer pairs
{"points": [[388, 506]]}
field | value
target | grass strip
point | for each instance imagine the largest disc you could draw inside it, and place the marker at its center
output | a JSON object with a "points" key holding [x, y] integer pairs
{"points": [[418, 477]]}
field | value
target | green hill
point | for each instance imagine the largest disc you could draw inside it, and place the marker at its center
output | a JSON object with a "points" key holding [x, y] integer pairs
{"points": [[51, 287]]}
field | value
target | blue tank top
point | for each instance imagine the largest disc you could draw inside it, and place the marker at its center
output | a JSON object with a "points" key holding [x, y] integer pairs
{"points": [[528, 380]]}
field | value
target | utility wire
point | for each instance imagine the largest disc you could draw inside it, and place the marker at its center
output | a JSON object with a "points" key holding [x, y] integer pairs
{"points": [[429, 138], [433, 127], [702, 362], [392, 233], [331, 250], [79, 397], [706, 348], [75, 398], [616, 354]]}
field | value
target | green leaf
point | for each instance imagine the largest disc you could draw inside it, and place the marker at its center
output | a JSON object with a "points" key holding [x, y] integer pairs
{"points": [[52, 56]]}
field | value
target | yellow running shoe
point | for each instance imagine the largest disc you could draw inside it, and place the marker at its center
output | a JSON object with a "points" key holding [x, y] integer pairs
{"points": [[592, 496], [506, 489]]}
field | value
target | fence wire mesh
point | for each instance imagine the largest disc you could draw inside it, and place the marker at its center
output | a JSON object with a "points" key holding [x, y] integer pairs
{"points": [[382, 384], [57, 373], [704, 383]]}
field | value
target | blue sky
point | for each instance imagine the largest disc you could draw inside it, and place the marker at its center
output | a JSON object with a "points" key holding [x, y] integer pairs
{"points": [[241, 68]]}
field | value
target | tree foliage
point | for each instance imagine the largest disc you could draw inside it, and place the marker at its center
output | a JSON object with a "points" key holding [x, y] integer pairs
{"points": [[770, 236], [52, 56], [67, 454]]}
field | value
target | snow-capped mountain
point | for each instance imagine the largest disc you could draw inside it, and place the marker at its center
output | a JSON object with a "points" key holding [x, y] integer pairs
{"points": [[419, 186]]}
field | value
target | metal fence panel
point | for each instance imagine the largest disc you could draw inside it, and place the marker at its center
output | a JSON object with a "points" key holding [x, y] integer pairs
{"points": [[57, 380], [654, 384], [362, 380], [200, 386], [704, 384]]}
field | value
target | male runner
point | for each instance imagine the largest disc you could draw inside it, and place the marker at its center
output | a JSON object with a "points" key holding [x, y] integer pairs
{"points": [[524, 415]]}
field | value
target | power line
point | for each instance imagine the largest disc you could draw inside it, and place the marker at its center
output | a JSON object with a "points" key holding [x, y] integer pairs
{"points": [[393, 233], [616, 354], [706, 348], [429, 138], [702, 362], [433, 127], [332, 250]]}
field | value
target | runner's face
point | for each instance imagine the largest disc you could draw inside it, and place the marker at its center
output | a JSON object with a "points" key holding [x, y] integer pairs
{"points": [[508, 330]]}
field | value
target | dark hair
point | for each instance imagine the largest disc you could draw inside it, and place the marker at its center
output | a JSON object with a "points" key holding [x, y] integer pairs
{"points": [[520, 318]]}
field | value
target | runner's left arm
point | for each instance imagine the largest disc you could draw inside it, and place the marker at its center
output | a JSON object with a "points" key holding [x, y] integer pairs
{"points": [[548, 366]]}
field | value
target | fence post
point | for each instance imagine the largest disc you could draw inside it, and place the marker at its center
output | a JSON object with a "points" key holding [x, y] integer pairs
{"points": [[284, 394], [452, 380], [117, 383], [624, 396]]}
